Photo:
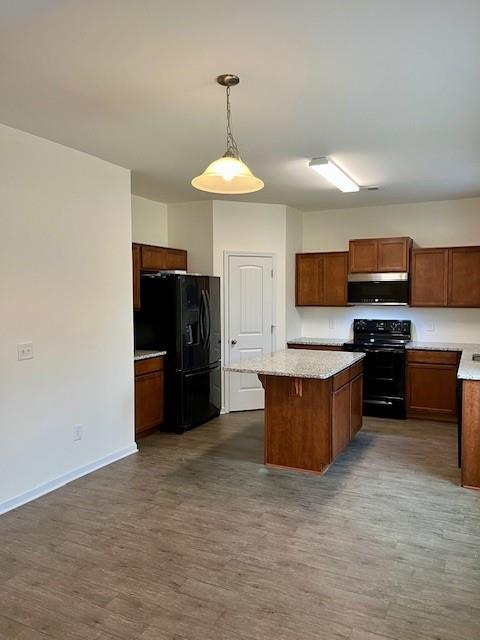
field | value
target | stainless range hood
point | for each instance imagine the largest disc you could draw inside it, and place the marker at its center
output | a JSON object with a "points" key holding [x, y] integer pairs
{"points": [[384, 289]]}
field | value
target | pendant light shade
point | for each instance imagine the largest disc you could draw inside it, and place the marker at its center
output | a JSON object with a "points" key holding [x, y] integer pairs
{"points": [[228, 174]]}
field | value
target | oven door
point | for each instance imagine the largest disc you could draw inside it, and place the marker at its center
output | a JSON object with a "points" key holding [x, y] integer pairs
{"points": [[378, 288], [384, 382]]}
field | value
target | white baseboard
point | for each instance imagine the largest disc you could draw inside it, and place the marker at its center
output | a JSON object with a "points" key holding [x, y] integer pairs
{"points": [[60, 481]]}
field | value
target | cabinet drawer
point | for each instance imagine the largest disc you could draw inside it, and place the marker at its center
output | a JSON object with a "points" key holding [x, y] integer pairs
{"points": [[433, 357], [346, 375], [149, 365]]}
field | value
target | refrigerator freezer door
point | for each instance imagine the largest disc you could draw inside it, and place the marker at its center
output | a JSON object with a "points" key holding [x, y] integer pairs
{"points": [[200, 397]]}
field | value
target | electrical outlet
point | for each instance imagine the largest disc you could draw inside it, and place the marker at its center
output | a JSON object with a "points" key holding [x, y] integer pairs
{"points": [[77, 432], [25, 350], [430, 326], [331, 323]]}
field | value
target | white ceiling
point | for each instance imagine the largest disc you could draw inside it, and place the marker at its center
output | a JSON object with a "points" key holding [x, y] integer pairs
{"points": [[390, 89]]}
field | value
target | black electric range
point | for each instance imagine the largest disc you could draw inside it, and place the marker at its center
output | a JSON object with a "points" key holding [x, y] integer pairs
{"points": [[383, 342]]}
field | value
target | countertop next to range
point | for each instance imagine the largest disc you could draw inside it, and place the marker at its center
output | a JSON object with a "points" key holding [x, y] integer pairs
{"points": [[468, 369], [299, 363], [145, 354]]}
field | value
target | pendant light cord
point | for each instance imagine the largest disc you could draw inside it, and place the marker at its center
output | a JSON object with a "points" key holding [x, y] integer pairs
{"points": [[232, 149]]}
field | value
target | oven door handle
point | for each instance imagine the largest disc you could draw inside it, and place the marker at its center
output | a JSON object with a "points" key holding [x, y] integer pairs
{"points": [[387, 350]]}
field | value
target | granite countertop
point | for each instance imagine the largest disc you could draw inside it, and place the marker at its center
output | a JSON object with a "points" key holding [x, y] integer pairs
{"points": [[327, 342], [145, 354], [299, 363], [468, 369]]}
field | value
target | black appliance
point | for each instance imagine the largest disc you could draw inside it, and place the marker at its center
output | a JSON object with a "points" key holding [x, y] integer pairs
{"points": [[383, 342], [181, 313], [378, 288]]}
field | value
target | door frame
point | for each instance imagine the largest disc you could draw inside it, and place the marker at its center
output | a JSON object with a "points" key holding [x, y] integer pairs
{"points": [[226, 312]]}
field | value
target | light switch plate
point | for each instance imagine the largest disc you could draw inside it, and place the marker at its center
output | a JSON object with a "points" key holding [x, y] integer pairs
{"points": [[77, 432], [430, 326], [25, 350]]}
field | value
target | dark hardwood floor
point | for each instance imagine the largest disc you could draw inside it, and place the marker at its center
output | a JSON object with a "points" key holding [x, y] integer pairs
{"points": [[193, 539]]}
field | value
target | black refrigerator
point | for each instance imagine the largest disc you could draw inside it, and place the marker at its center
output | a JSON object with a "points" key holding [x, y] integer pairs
{"points": [[181, 314]]}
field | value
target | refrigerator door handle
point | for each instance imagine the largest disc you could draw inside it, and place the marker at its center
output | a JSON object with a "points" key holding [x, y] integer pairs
{"points": [[203, 318], [209, 318]]}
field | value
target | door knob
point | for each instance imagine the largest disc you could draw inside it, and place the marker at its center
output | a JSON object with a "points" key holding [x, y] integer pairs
{"points": [[233, 342]]}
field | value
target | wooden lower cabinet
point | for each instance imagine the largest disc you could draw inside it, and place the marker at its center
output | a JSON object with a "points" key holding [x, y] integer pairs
{"points": [[470, 458], [341, 419], [356, 405], [308, 422], [149, 395], [432, 385]]}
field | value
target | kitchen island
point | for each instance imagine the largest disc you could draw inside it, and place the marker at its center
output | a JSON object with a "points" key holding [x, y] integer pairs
{"points": [[313, 405]]}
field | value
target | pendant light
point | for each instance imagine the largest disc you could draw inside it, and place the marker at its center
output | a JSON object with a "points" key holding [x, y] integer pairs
{"points": [[228, 175]]}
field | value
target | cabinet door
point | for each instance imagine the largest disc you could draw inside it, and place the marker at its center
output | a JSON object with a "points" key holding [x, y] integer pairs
{"points": [[356, 405], [431, 391], [429, 278], [136, 259], [393, 254], [175, 259], [153, 258], [363, 256], [464, 277], [340, 419], [309, 279], [149, 403], [335, 273]]}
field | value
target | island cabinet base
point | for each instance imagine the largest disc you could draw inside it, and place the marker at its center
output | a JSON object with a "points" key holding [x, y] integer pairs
{"points": [[470, 455], [308, 422]]}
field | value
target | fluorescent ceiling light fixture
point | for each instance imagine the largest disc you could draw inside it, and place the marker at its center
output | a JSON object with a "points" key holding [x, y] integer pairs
{"points": [[329, 170]]}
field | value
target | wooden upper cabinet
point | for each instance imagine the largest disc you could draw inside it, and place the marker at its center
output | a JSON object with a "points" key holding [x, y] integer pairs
{"points": [[136, 259], [363, 256], [379, 255], [308, 281], [176, 259], [445, 277], [429, 278], [394, 254], [147, 257], [153, 258], [335, 274], [321, 279], [158, 258], [464, 277]]}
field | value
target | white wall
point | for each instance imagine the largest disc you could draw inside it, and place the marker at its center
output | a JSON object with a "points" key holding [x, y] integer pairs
{"points": [[447, 223], [246, 226], [149, 221], [190, 227], [293, 318], [65, 285]]}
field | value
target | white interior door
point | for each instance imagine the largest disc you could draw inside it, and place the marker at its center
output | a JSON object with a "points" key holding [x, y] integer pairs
{"points": [[249, 330]]}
